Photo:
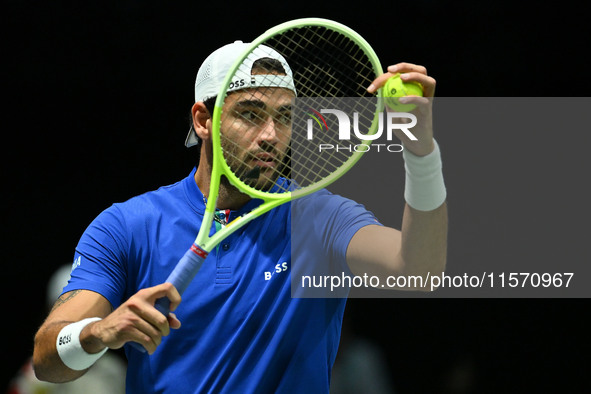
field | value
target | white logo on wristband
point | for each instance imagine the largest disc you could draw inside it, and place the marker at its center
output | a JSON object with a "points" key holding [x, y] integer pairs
{"points": [[71, 351]]}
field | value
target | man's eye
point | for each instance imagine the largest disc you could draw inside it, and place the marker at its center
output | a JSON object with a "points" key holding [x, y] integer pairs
{"points": [[249, 115], [284, 118]]}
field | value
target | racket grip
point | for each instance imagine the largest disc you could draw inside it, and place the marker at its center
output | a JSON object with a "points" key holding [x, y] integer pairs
{"points": [[187, 268], [163, 306], [180, 277]]}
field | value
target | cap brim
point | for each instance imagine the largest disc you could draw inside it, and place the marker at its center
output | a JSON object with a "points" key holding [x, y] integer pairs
{"points": [[192, 138]]}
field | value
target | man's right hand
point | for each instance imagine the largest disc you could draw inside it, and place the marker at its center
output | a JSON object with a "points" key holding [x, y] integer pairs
{"points": [[135, 320]]}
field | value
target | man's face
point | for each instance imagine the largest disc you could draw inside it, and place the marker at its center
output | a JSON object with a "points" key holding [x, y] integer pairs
{"points": [[255, 133]]}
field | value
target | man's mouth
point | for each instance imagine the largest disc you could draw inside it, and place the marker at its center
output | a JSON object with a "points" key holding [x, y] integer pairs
{"points": [[265, 160], [261, 163]]}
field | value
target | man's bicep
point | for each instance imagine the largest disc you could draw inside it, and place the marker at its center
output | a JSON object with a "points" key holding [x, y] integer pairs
{"points": [[375, 250], [76, 305]]}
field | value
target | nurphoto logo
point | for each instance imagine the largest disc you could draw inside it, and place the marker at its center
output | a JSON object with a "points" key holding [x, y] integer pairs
{"points": [[387, 122]]}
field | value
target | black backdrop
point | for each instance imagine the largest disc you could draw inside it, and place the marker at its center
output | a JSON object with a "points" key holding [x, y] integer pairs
{"points": [[96, 103]]}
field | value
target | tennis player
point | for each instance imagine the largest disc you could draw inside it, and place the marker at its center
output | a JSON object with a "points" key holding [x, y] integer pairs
{"points": [[241, 331]]}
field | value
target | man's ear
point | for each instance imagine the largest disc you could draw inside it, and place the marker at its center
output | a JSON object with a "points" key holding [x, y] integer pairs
{"points": [[201, 120]]}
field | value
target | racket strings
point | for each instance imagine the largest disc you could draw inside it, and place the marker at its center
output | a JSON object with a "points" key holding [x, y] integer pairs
{"points": [[308, 164], [238, 163], [326, 65], [334, 66], [330, 63]]}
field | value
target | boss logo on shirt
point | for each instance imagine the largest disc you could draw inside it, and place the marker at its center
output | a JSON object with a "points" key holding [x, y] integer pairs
{"points": [[279, 268]]}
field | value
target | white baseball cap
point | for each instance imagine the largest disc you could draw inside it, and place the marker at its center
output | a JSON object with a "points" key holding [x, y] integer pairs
{"points": [[214, 69]]}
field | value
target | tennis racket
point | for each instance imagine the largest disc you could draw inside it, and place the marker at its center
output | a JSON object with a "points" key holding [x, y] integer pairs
{"points": [[327, 60]]}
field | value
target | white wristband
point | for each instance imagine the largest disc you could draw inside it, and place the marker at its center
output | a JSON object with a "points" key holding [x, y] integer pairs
{"points": [[71, 351], [424, 188]]}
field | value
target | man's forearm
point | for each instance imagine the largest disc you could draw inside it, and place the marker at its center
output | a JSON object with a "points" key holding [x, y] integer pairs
{"points": [[424, 240], [46, 361]]}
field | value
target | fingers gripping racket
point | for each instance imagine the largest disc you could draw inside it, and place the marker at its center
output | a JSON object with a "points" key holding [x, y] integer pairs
{"points": [[326, 60]]}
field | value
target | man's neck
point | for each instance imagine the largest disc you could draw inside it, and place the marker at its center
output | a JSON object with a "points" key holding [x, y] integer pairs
{"points": [[228, 196]]}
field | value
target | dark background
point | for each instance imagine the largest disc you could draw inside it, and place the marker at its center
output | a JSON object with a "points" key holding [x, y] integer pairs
{"points": [[96, 103]]}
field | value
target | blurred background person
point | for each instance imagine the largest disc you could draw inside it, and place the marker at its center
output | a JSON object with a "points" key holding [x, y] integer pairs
{"points": [[106, 376], [361, 365]]}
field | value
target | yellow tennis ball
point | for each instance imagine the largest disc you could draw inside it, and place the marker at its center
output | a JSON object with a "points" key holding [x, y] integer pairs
{"points": [[395, 88]]}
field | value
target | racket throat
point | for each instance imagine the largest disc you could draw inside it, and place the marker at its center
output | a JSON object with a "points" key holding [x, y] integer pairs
{"points": [[199, 251]]}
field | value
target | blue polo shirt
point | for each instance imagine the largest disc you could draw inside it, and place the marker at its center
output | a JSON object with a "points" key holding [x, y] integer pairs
{"points": [[241, 332]]}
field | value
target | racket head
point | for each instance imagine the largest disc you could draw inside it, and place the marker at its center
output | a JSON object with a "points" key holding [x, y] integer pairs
{"points": [[325, 59]]}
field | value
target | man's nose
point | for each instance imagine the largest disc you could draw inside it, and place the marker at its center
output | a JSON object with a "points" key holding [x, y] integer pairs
{"points": [[269, 130]]}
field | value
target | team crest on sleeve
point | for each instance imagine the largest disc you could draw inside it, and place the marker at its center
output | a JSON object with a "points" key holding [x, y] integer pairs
{"points": [[77, 262]]}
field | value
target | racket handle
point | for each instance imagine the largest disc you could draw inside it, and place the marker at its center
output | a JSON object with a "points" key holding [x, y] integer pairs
{"points": [[180, 277], [187, 268], [163, 305]]}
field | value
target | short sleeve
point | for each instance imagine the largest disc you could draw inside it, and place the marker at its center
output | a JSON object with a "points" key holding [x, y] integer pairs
{"points": [[323, 225], [100, 258]]}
